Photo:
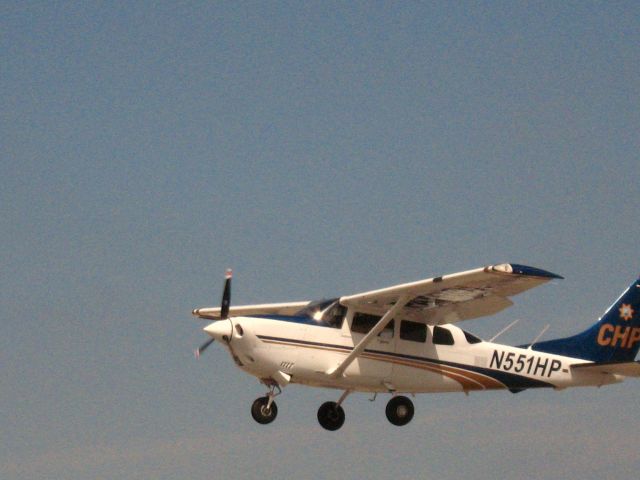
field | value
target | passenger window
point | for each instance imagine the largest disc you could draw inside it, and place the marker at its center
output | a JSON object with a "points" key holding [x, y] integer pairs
{"points": [[414, 331], [363, 323], [387, 332], [471, 338], [442, 336]]}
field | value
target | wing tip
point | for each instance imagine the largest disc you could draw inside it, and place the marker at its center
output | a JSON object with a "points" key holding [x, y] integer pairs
{"points": [[525, 270], [198, 312]]}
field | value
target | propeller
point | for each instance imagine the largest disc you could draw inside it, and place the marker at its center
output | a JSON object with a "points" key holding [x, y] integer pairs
{"points": [[224, 309], [203, 347], [226, 295]]}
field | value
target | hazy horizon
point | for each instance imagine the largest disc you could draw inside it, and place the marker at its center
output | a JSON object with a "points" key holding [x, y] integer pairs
{"points": [[319, 149]]}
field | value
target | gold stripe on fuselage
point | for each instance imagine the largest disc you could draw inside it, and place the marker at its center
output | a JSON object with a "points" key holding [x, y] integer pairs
{"points": [[469, 380]]}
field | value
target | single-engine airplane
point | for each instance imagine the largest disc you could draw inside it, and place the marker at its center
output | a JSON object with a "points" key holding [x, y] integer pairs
{"points": [[402, 340]]}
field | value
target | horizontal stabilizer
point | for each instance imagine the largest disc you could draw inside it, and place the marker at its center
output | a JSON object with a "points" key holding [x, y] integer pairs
{"points": [[628, 369]]}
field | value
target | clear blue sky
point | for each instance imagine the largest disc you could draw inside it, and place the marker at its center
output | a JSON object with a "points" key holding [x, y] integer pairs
{"points": [[319, 149]]}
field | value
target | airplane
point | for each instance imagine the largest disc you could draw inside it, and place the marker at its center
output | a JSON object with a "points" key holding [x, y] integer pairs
{"points": [[404, 340]]}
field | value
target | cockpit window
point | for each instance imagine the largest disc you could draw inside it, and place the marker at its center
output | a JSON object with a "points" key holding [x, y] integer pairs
{"points": [[334, 315], [313, 309], [363, 323], [328, 313]]}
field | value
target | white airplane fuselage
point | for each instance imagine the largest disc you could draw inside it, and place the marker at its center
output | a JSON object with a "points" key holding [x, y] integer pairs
{"points": [[283, 351], [402, 339]]}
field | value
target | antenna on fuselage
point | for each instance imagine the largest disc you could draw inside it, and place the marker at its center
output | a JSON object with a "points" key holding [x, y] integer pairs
{"points": [[504, 329]]}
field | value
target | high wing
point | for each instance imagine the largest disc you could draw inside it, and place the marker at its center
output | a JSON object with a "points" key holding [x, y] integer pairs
{"points": [[289, 308], [446, 299], [455, 297]]}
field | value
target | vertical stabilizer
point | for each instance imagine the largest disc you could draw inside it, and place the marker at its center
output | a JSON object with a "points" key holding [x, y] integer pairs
{"points": [[614, 338]]}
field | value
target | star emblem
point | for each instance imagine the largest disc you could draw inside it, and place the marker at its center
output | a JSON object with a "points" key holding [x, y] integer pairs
{"points": [[626, 312]]}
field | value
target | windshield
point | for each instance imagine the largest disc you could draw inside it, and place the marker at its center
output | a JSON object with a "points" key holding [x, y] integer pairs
{"points": [[313, 308], [328, 313]]}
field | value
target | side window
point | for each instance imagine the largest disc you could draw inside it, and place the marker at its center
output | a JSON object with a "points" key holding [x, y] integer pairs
{"points": [[471, 338], [363, 323], [387, 332], [442, 336], [414, 331], [334, 316]]}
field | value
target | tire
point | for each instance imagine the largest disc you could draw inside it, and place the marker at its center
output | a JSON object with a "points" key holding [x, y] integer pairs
{"points": [[330, 416], [400, 410], [260, 413]]}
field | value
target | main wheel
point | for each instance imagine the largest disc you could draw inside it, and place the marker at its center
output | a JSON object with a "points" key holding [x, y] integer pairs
{"points": [[261, 413], [400, 410], [330, 416]]}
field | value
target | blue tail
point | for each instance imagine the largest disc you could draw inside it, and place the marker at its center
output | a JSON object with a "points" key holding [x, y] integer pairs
{"points": [[614, 338]]}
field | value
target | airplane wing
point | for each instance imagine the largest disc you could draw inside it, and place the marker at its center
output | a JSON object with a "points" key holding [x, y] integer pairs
{"points": [[446, 299], [628, 369], [452, 298], [289, 308]]}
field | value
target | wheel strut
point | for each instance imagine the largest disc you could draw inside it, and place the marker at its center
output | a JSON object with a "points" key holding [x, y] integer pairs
{"points": [[343, 397], [271, 394]]}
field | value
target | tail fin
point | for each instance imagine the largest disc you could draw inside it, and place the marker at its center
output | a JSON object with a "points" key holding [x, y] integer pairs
{"points": [[614, 338]]}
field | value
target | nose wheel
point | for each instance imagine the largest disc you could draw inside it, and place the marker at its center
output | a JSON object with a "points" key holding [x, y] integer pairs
{"points": [[399, 410], [264, 411]]}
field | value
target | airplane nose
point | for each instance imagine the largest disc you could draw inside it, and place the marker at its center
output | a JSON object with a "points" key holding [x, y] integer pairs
{"points": [[219, 330]]}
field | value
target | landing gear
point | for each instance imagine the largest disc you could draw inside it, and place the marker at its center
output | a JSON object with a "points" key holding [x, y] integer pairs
{"points": [[400, 410], [330, 416], [262, 412]]}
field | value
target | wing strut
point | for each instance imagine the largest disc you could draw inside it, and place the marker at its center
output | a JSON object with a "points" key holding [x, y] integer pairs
{"points": [[359, 348]]}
